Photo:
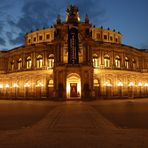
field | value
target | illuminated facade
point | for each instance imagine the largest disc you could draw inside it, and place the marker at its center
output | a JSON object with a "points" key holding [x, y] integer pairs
{"points": [[73, 59]]}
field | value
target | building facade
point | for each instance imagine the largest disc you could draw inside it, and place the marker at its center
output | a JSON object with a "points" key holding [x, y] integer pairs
{"points": [[73, 59]]}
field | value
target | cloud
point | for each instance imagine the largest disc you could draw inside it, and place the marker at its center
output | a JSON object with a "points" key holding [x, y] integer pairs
{"points": [[3, 9], [36, 14], [2, 42]]}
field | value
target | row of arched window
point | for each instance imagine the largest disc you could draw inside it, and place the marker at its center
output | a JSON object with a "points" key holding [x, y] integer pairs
{"points": [[117, 60], [39, 62]]}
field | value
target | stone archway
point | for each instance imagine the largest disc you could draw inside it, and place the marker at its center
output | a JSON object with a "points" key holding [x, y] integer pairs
{"points": [[73, 86]]}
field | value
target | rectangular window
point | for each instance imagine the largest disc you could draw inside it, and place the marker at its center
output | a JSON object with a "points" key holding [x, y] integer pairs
{"points": [[40, 37], [28, 64], [39, 63], [98, 35], [111, 38], [19, 65], [105, 37], [48, 36], [34, 39]]}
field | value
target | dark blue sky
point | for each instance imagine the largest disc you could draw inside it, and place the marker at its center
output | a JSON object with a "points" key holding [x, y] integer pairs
{"points": [[21, 16]]}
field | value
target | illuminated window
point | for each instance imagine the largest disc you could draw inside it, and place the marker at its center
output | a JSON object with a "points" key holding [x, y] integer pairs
{"points": [[117, 62], [51, 61], [133, 63], [95, 60], [29, 62], [51, 83], [19, 64], [39, 61], [106, 61], [126, 62]]}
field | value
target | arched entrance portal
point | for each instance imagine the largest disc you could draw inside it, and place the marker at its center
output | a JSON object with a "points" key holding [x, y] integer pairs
{"points": [[73, 86]]}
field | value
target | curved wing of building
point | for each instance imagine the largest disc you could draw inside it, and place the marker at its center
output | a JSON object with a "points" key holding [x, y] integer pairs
{"points": [[73, 59]]}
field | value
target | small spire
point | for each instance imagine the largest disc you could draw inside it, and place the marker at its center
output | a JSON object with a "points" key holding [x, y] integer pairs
{"points": [[58, 19], [86, 19]]}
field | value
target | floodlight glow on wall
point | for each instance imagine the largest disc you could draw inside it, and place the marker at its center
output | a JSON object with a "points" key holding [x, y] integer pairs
{"points": [[139, 84], [7, 85], [1, 85], [131, 84], [107, 84], [120, 84], [26, 85], [15, 85], [39, 85]]}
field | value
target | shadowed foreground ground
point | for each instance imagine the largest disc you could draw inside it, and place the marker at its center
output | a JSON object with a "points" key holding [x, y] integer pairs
{"points": [[74, 124]]}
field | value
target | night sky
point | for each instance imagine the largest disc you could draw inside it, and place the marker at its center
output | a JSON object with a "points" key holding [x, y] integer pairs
{"points": [[18, 17]]}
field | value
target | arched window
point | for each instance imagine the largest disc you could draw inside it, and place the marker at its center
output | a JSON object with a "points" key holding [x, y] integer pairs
{"points": [[134, 63], [19, 66], [126, 62], [51, 61], [12, 65], [95, 60], [39, 61], [29, 62], [106, 61], [117, 62], [51, 83]]}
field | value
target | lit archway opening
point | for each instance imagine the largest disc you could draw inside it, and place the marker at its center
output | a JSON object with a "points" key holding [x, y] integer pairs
{"points": [[73, 86]]}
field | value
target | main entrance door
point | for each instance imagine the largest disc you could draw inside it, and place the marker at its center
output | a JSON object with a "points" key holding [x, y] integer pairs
{"points": [[73, 90], [73, 86]]}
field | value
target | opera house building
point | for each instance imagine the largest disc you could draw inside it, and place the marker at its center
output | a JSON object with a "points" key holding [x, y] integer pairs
{"points": [[73, 60]]}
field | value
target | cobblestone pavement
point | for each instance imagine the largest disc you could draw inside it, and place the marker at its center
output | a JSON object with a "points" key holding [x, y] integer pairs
{"points": [[74, 125]]}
